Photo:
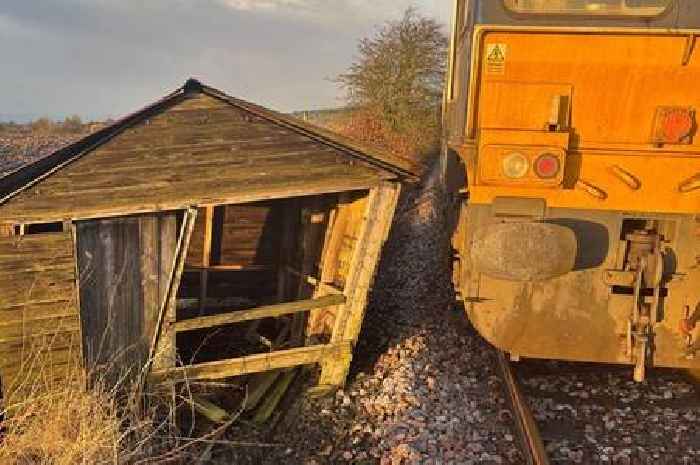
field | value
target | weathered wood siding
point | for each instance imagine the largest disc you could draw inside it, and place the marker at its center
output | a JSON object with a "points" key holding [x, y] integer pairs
{"points": [[243, 235], [39, 323], [201, 151], [124, 264]]}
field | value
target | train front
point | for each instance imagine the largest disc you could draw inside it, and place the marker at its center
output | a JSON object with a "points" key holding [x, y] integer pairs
{"points": [[579, 235]]}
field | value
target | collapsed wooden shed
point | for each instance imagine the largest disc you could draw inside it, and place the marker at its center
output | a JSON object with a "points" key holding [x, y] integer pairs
{"points": [[200, 211]]}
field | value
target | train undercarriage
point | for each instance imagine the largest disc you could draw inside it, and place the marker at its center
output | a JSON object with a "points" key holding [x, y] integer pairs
{"points": [[630, 295]]}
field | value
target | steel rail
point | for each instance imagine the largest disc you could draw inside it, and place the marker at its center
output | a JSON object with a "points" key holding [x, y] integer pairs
{"points": [[529, 433]]}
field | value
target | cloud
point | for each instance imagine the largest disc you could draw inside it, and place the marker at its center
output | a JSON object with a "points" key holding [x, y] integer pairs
{"points": [[265, 5], [15, 29], [339, 13], [103, 58]]}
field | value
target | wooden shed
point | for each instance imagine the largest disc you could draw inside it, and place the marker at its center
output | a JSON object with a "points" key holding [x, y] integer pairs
{"points": [[199, 212]]}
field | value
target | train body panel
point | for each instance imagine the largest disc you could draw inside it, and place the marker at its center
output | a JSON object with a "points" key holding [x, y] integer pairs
{"points": [[585, 314], [588, 123]]}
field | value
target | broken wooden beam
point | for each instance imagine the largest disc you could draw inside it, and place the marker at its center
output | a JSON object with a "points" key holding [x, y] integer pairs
{"points": [[258, 387], [271, 402], [209, 410], [269, 311], [252, 364]]}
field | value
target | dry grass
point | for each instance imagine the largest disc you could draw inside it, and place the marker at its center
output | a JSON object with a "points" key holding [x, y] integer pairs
{"points": [[63, 423]]}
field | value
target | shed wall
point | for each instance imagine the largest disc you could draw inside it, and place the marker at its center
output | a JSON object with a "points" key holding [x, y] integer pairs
{"points": [[39, 322]]}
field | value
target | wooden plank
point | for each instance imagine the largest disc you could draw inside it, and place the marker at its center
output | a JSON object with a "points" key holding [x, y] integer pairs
{"points": [[168, 250], [270, 311], [273, 399], [375, 229], [240, 173], [38, 359], [111, 294], [208, 409], [214, 150], [39, 311], [220, 173], [258, 386], [251, 364], [355, 211], [149, 237], [47, 246], [206, 255], [199, 191], [321, 320], [365, 262], [36, 328], [7, 230], [19, 349], [239, 153], [37, 302], [22, 265], [215, 195], [29, 288], [161, 344], [315, 219], [250, 234]]}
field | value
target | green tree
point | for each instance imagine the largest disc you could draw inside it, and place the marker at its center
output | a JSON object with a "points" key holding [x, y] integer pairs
{"points": [[399, 73]]}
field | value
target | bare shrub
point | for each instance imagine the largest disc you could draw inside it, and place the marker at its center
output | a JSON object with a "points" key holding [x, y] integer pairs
{"points": [[72, 124], [55, 420], [395, 85], [42, 125]]}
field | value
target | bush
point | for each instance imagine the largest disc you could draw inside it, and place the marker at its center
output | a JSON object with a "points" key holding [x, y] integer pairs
{"points": [[43, 124], [396, 83], [72, 124]]}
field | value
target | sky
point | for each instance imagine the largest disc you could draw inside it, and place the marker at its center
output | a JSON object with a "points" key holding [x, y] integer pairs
{"points": [[105, 58]]}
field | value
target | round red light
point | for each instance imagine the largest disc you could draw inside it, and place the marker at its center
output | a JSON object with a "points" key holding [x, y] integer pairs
{"points": [[547, 166]]}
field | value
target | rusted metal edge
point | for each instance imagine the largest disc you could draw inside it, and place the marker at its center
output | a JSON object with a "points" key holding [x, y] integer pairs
{"points": [[529, 433]]}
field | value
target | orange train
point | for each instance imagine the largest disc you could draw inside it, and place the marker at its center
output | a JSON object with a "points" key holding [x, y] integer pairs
{"points": [[571, 147]]}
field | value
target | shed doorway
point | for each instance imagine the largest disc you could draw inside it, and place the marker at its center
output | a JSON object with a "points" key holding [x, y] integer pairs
{"points": [[124, 265], [248, 256]]}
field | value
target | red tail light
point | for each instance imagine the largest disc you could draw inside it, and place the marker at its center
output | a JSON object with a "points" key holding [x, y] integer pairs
{"points": [[547, 166]]}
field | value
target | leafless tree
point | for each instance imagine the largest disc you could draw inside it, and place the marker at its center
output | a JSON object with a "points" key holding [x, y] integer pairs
{"points": [[399, 72]]}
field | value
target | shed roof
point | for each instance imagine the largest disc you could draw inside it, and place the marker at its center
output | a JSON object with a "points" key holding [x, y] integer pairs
{"points": [[66, 176]]}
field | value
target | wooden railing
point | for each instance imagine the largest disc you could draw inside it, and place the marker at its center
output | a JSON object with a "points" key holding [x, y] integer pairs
{"points": [[258, 313], [258, 362], [252, 364]]}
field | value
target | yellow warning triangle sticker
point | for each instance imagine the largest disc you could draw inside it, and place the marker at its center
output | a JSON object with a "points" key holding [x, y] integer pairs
{"points": [[496, 54], [496, 58]]}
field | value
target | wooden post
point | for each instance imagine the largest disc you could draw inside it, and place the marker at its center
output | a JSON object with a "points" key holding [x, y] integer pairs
{"points": [[150, 273], [378, 217], [321, 319], [206, 256], [162, 346]]}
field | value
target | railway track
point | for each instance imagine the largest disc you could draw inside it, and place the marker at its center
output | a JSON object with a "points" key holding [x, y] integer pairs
{"points": [[591, 414], [531, 441]]}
